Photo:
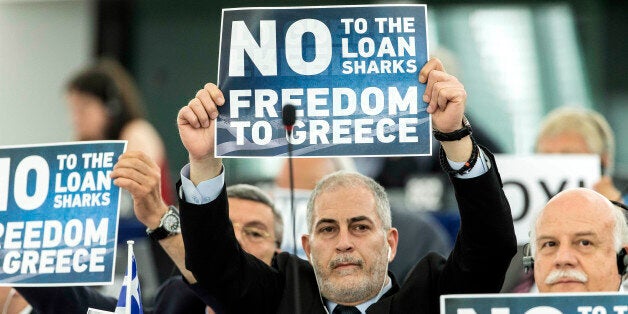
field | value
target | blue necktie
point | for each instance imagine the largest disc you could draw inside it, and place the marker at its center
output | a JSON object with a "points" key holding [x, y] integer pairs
{"points": [[341, 309]]}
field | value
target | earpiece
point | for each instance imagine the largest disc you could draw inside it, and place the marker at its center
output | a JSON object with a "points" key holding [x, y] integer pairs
{"points": [[389, 252], [622, 262], [528, 260]]}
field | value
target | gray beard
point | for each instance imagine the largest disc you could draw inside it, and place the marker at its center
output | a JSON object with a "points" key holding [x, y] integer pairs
{"points": [[350, 293]]}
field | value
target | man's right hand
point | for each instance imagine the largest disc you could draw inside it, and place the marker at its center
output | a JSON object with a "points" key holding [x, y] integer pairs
{"points": [[196, 129]]}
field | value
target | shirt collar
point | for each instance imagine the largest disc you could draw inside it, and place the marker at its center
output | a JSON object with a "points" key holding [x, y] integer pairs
{"points": [[363, 306]]}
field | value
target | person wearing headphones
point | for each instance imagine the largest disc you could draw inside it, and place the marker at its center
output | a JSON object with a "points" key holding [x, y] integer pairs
{"points": [[106, 104], [578, 243], [351, 239], [571, 130]]}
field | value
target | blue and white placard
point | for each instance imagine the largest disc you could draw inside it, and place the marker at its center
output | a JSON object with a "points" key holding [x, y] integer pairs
{"points": [[58, 213], [532, 303], [350, 71]]}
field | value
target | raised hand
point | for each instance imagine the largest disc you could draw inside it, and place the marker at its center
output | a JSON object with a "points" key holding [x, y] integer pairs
{"points": [[140, 175], [445, 96], [196, 129]]}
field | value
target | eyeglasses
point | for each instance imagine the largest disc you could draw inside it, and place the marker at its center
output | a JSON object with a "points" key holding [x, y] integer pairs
{"points": [[252, 234]]}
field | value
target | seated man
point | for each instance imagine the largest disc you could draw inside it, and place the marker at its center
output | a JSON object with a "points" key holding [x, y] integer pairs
{"points": [[253, 214], [578, 243], [419, 233], [351, 240], [569, 130]]}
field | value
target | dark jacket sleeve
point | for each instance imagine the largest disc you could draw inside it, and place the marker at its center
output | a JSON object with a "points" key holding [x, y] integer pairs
{"points": [[176, 297], [486, 241], [238, 280], [66, 300], [173, 297]]}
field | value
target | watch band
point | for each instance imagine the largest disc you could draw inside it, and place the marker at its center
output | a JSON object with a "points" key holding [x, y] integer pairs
{"points": [[455, 135], [162, 231], [158, 233]]}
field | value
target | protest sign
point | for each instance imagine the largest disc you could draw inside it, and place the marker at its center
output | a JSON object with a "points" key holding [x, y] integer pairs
{"points": [[58, 213], [531, 303], [531, 180], [350, 71]]}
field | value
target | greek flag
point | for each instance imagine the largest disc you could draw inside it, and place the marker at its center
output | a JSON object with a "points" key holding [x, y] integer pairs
{"points": [[130, 299]]}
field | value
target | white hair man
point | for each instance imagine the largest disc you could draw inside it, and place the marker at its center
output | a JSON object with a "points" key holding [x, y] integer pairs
{"points": [[575, 242]]}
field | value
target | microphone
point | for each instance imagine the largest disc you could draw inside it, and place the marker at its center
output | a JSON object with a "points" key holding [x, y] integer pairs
{"points": [[288, 118]]}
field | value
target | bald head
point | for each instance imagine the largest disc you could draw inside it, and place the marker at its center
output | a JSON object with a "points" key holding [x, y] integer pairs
{"points": [[574, 241]]}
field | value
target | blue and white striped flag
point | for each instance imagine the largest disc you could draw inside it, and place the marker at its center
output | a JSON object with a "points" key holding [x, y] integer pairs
{"points": [[130, 299]]}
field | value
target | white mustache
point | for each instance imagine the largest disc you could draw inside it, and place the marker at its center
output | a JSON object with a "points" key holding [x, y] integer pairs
{"points": [[345, 259], [556, 275]]}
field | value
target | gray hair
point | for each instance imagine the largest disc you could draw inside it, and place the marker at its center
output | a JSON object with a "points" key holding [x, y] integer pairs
{"points": [[350, 180], [620, 229], [255, 194], [593, 127]]}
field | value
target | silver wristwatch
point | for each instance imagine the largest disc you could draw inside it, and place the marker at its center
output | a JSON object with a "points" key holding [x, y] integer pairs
{"points": [[169, 225]]}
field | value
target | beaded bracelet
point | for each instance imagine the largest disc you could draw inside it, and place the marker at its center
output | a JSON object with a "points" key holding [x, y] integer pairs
{"points": [[475, 152]]}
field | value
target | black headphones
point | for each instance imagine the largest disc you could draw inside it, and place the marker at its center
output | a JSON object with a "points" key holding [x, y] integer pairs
{"points": [[622, 255], [622, 262], [528, 260]]}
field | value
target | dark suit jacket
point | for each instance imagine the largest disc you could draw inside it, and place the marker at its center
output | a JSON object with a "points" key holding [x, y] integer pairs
{"points": [[419, 234], [244, 284], [173, 297]]}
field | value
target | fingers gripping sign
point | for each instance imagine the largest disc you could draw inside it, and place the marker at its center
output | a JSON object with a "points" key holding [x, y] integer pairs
{"points": [[137, 173], [445, 96], [197, 130], [196, 121]]}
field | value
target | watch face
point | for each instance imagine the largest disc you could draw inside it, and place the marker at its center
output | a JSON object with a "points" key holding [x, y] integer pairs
{"points": [[171, 222]]}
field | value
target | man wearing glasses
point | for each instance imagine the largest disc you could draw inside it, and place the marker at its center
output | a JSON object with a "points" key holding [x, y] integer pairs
{"points": [[257, 223]]}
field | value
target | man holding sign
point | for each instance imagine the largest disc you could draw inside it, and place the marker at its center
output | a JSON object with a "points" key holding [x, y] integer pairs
{"points": [[260, 227], [58, 213], [351, 240], [350, 71]]}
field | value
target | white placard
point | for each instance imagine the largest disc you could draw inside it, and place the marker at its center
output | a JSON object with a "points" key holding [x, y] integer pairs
{"points": [[531, 180]]}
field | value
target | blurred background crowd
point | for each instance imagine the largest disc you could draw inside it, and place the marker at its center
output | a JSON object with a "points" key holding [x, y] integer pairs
{"points": [[518, 60]]}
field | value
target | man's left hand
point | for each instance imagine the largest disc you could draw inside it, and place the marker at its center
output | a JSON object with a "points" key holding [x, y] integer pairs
{"points": [[140, 175]]}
